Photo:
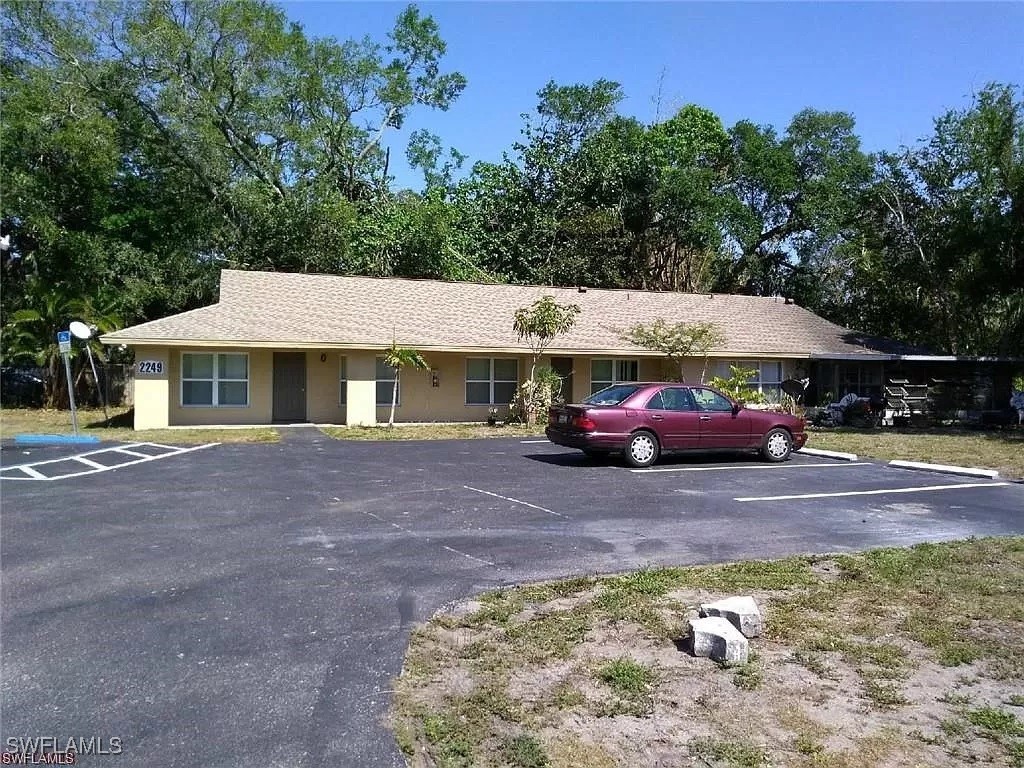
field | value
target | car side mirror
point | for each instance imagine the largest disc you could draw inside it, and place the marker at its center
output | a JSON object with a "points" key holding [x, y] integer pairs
{"points": [[736, 408]]}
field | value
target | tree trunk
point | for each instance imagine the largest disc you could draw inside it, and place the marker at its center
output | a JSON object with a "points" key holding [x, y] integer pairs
{"points": [[394, 400], [528, 405]]}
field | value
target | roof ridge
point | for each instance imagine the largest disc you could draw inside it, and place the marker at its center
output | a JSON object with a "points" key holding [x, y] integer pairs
{"points": [[523, 286]]}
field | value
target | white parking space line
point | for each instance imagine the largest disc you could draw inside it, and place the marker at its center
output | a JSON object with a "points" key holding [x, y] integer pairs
{"points": [[514, 501], [467, 555], [34, 474], [161, 445], [89, 462], [875, 492], [535, 441], [90, 453], [753, 466], [409, 532], [132, 453]]}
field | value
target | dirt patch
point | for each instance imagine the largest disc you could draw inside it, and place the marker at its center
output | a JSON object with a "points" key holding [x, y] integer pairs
{"points": [[857, 667]]}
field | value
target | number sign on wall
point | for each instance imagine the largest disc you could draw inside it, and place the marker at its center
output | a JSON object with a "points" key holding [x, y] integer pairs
{"points": [[149, 367]]}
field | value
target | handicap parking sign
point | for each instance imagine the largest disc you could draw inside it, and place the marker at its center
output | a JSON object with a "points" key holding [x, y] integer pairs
{"points": [[64, 341]]}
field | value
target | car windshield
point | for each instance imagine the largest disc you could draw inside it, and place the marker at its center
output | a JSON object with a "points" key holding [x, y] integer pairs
{"points": [[612, 395]]}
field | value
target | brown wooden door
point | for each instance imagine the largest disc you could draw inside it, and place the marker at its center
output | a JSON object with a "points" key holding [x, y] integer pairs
{"points": [[563, 367], [289, 386]]}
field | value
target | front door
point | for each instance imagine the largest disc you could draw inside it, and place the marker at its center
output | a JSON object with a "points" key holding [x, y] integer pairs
{"points": [[289, 386], [563, 367]]}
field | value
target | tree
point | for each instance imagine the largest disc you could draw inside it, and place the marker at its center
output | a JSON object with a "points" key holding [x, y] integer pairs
{"points": [[526, 214], [414, 235], [398, 358], [538, 325], [737, 386], [149, 144], [31, 336], [677, 342], [793, 197], [938, 255]]}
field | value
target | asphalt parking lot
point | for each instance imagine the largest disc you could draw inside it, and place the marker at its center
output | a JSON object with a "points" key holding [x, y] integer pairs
{"points": [[250, 604]]}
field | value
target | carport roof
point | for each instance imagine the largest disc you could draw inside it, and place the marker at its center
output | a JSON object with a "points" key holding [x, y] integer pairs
{"points": [[264, 309]]}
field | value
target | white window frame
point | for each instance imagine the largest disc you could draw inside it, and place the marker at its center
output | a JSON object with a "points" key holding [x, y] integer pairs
{"points": [[342, 381], [489, 380], [391, 381], [615, 361], [756, 382], [215, 380]]}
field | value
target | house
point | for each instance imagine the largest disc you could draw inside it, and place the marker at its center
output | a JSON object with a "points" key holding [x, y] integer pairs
{"points": [[281, 347]]}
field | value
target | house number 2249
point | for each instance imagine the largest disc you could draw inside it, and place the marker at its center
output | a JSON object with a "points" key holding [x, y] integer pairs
{"points": [[151, 366]]}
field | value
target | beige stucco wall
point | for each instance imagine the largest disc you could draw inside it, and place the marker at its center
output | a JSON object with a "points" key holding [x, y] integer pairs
{"points": [[420, 401], [261, 380], [323, 387], [151, 392], [158, 398]]}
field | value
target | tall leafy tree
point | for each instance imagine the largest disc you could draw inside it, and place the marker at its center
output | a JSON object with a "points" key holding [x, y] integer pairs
{"points": [[667, 184], [526, 212], [190, 135], [794, 197], [941, 260]]}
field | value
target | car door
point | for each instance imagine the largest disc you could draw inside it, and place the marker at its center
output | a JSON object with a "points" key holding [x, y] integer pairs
{"points": [[674, 417], [719, 426]]}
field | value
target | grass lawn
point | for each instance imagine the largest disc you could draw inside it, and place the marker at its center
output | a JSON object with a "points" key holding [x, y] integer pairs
{"points": [[439, 431], [16, 421], [1002, 451], [889, 658]]}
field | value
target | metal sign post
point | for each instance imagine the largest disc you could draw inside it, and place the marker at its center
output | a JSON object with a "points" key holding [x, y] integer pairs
{"points": [[85, 332], [99, 387], [64, 342]]}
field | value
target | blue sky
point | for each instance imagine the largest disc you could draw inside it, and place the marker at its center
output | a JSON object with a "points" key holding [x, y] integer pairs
{"points": [[895, 66]]}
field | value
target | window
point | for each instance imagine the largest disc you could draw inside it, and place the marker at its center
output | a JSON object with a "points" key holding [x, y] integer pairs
{"points": [[604, 373], [767, 377], [491, 381], [386, 376], [613, 395], [709, 400], [214, 379], [343, 381], [862, 379], [671, 399]]}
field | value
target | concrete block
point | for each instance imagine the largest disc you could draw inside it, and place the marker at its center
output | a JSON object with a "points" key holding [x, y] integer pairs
{"points": [[717, 639], [741, 612]]}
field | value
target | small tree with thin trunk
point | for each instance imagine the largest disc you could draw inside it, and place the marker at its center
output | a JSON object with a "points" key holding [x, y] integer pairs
{"points": [[538, 325], [677, 342], [398, 358]]}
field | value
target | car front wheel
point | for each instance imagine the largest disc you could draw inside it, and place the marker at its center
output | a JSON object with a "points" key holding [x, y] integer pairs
{"points": [[642, 449], [777, 445]]}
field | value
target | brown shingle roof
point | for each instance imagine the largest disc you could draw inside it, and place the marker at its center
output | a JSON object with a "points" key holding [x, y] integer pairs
{"points": [[282, 309]]}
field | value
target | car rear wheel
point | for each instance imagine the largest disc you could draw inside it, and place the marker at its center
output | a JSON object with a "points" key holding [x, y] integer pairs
{"points": [[777, 445], [642, 449]]}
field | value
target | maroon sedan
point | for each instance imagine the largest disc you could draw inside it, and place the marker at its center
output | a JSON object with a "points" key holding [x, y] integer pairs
{"points": [[643, 421]]}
